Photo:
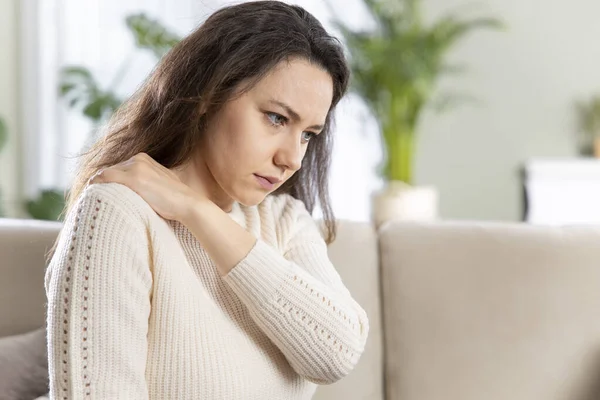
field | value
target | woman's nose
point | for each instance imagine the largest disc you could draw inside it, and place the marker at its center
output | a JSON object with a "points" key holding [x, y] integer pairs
{"points": [[290, 154]]}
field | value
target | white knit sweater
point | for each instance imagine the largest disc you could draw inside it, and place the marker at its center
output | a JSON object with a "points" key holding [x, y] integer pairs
{"points": [[137, 309]]}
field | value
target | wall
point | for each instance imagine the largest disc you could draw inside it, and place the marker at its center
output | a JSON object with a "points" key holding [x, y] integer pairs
{"points": [[526, 79], [9, 105]]}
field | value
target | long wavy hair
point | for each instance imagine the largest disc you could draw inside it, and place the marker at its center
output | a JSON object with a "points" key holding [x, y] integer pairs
{"points": [[226, 55]]}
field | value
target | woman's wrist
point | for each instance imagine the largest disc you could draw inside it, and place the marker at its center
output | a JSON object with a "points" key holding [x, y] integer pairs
{"points": [[225, 241], [193, 206]]}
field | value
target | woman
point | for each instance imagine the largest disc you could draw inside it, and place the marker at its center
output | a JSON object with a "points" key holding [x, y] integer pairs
{"points": [[189, 266]]}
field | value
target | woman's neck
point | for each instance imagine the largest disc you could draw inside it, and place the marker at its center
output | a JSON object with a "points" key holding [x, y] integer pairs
{"points": [[198, 177]]}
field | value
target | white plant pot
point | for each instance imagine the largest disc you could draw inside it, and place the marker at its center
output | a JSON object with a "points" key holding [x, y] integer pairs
{"points": [[400, 201]]}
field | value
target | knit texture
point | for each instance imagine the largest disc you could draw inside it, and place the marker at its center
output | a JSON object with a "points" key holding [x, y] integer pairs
{"points": [[137, 309]]}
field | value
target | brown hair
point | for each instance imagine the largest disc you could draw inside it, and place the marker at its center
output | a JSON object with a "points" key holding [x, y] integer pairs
{"points": [[228, 54]]}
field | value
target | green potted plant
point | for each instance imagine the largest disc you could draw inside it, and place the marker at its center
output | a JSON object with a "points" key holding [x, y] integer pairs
{"points": [[82, 91], [3, 139], [588, 116], [79, 87], [395, 69]]}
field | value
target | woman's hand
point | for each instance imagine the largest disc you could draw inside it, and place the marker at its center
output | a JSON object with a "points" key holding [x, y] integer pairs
{"points": [[160, 187]]}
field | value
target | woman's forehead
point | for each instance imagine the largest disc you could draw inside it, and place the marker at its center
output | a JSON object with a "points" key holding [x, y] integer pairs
{"points": [[305, 87]]}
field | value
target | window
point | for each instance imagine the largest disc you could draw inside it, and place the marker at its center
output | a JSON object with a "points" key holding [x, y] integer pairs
{"points": [[58, 33]]}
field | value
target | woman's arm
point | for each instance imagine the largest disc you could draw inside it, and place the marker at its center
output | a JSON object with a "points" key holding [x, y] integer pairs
{"points": [[98, 286], [297, 299]]}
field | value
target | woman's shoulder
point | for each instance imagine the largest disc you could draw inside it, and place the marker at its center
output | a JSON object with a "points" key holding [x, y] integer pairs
{"points": [[116, 198]]}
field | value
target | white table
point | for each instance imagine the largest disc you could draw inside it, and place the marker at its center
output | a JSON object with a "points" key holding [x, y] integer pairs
{"points": [[562, 191]]}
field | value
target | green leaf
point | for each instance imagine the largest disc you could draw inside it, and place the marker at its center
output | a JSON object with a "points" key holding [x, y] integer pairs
{"points": [[588, 114], [73, 102], [95, 109], [151, 35], [450, 29], [101, 106], [48, 206], [79, 87], [66, 88]]}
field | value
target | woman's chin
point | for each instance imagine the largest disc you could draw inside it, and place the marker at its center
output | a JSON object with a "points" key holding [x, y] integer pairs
{"points": [[251, 198]]}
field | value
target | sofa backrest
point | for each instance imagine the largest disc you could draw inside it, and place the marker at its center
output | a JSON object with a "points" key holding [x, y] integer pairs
{"points": [[23, 247], [491, 311], [355, 255], [471, 310]]}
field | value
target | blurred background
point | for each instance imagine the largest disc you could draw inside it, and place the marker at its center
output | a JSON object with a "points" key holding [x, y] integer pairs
{"points": [[496, 115]]}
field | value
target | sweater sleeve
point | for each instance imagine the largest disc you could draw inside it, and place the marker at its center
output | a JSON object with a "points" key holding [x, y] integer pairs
{"points": [[300, 302], [98, 287]]}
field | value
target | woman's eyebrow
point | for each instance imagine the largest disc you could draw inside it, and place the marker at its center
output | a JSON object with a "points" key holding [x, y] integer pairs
{"points": [[293, 114]]}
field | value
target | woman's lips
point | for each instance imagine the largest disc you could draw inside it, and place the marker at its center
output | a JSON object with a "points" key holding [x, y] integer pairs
{"points": [[264, 182]]}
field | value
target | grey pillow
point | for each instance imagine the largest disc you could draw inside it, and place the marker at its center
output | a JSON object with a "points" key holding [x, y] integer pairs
{"points": [[23, 366]]}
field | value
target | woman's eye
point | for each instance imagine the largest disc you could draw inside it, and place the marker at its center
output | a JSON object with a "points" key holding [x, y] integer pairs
{"points": [[276, 119], [279, 120], [306, 136]]}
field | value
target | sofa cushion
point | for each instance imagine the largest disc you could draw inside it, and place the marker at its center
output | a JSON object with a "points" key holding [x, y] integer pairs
{"points": [[23, 366], [491, 311]]}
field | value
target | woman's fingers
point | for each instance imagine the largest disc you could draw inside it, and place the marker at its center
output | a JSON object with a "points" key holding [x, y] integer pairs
{"points": [[160, 187], [125, 166], [136, 172]]}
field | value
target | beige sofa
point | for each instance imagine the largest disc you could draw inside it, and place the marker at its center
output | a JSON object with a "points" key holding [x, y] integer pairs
{"points": [[465, 311]]}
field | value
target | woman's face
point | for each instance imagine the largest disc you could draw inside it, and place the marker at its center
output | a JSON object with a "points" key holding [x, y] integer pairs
{"points": [[257, 140]]}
